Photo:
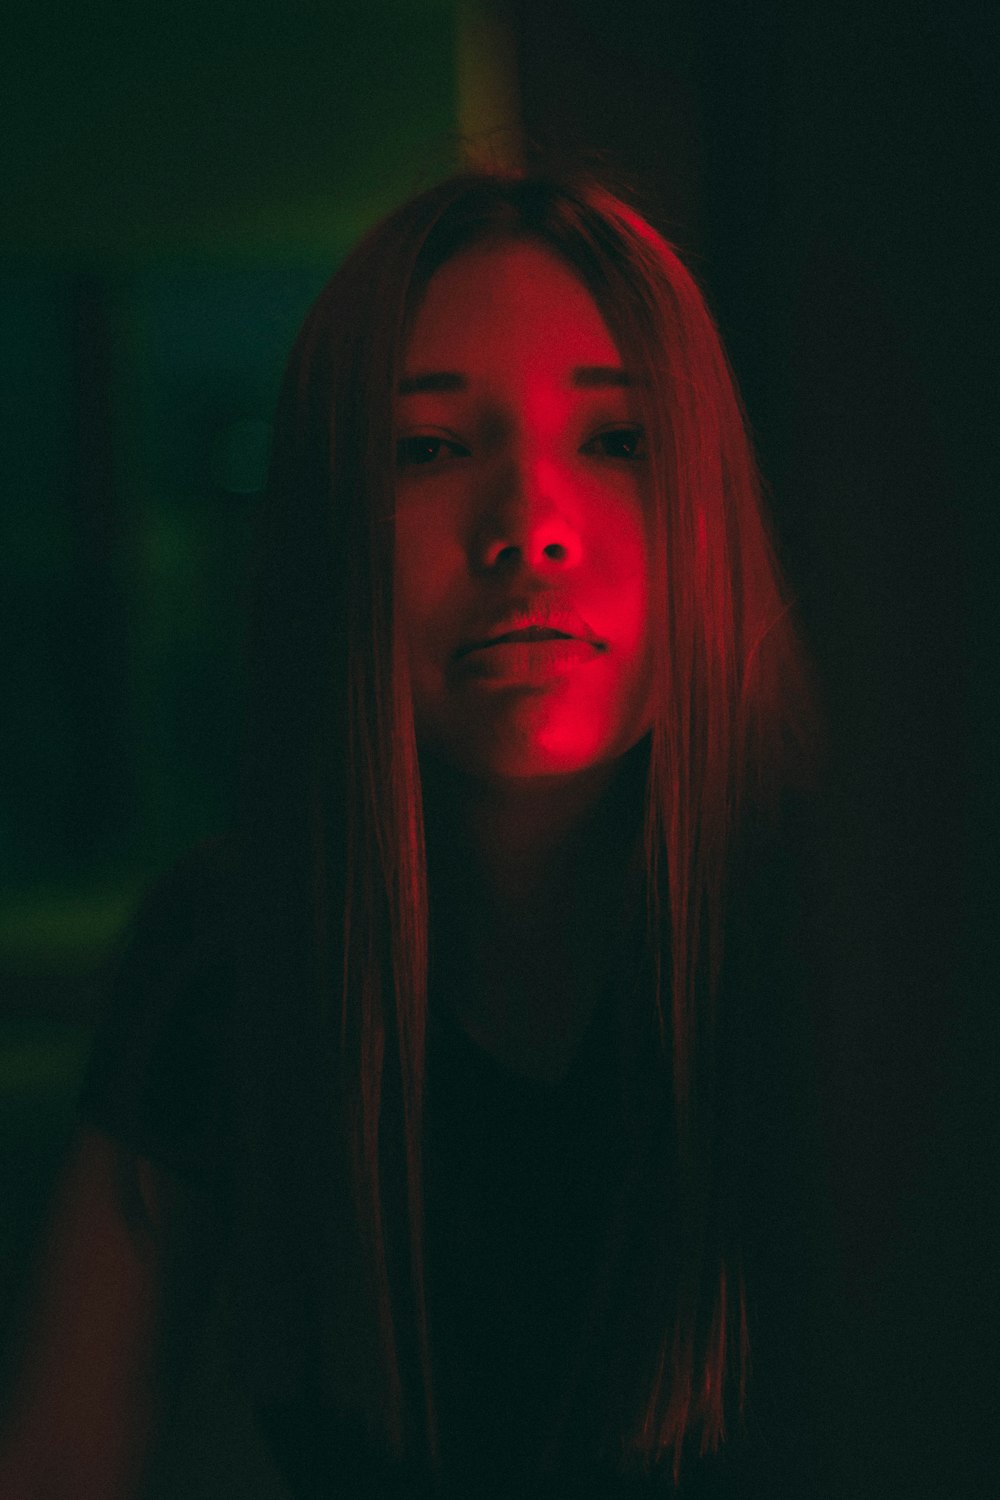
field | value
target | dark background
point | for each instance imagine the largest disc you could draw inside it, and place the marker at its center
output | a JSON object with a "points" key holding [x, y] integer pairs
{"points": [[177, 188]]}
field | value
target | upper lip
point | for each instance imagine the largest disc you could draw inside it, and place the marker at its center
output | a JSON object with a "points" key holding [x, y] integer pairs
{"points": [[560, 619]]}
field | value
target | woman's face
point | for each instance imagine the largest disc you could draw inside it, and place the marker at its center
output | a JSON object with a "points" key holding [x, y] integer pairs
{"points": [[520, 490]]}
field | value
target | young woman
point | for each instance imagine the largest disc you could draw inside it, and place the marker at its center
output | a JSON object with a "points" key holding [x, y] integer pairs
{"points": [[453, 1074]]}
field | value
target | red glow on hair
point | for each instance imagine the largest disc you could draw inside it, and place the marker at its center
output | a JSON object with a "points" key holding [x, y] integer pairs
{"points": [[336, 752]]}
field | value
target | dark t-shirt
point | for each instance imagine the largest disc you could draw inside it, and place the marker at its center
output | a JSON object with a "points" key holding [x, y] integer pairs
{"points": [[517, 1174]]}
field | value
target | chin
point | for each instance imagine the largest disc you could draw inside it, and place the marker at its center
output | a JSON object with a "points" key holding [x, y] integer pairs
{"points": [[519, 759], [532, 768], [531, 744]]}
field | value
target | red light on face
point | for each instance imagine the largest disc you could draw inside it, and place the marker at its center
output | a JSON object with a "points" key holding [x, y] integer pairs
{"points": [[528, 487]]}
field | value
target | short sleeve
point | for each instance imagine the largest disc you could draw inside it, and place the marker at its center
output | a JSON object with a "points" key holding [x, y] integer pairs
{"points": [[156, 1079]]}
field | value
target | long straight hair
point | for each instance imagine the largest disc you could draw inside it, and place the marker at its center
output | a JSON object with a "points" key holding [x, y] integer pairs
{"points": [[331, 812]]}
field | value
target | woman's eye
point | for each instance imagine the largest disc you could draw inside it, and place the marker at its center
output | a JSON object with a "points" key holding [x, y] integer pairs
{"points": [[619, 442], [412, 452]]}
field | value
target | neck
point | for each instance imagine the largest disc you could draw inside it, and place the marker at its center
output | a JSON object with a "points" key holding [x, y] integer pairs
{"points": [[531, 862], [528, 882]]}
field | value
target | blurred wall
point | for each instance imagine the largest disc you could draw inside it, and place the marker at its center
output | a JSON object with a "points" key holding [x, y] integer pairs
{"points": [[177, 186]]}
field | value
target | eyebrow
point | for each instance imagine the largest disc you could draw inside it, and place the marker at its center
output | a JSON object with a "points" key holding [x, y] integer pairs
{"points": [[584, 378], [593, 377]]}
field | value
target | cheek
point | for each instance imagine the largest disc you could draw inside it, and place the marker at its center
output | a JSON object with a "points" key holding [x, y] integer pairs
{"points": [[627, 606], [424, 576], [629, 616], [416, 570]]}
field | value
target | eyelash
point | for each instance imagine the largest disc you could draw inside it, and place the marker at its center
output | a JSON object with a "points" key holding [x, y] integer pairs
{"points": [[406, 447]]}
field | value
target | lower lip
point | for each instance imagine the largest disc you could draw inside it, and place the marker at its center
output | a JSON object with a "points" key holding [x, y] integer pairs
{"points": [[527, 661]]}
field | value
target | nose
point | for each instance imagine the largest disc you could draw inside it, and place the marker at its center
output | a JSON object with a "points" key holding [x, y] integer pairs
{"points": [[526, 516]]}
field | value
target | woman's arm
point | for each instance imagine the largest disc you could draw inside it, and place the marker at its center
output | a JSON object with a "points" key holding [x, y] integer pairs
{"points": [[88, 1398]]}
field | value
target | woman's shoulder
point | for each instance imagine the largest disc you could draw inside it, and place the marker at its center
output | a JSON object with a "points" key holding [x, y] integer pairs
{"points": [[174, 956], [197, 884], [155, 1077]]}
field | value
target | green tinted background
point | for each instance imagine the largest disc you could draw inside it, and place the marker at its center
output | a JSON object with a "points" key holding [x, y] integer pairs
{"points": [[178, 186], [178, 182]]}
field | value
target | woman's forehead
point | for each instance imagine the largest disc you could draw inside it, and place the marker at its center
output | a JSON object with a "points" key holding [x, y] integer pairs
{"points": [[515, 299]]}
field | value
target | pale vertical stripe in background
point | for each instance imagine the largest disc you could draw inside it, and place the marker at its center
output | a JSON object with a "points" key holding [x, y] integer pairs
{"points": [[489, 116]]}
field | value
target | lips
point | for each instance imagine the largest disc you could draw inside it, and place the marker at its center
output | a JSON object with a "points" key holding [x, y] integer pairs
{"points": [[534, 633], [567, 626], [534, 664]]}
